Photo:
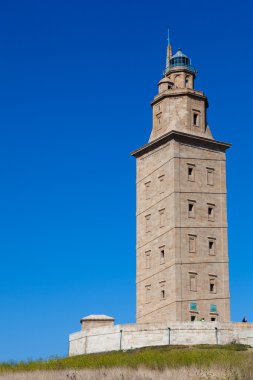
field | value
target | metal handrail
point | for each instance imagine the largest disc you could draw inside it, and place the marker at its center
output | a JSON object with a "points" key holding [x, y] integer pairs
{"points": [[189, 67]]}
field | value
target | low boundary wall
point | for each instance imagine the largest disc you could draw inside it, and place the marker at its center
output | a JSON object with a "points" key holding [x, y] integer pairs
{"points": [[130, 336]]}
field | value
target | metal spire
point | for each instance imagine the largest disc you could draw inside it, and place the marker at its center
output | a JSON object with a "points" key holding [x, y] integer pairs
{"points": [[169, 53], [168, 39]]}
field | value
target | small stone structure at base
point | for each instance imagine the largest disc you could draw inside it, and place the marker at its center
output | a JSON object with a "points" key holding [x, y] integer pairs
{"points": [[99, 334], [95, 321]]}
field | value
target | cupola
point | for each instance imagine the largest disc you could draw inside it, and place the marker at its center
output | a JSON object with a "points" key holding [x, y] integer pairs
{"points": [[179, 61]]}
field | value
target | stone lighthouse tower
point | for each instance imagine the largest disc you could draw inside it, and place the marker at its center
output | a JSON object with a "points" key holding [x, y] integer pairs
{"points": [[182, 253]]}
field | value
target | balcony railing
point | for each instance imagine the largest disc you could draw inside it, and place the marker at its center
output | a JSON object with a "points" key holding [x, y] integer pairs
{"points": [[189, 67]]}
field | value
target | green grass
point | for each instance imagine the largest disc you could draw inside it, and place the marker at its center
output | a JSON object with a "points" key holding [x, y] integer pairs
{"points": [[203, 356]]}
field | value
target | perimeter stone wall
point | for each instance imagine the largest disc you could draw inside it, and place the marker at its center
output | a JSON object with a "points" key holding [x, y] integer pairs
{"points": [[131, 336]]}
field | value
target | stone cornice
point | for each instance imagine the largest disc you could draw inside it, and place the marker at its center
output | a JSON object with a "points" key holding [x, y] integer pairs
{"points": [[179, 92], [182, 137]]}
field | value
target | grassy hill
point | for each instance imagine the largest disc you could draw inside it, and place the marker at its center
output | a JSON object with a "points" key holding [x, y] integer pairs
{"points": [[235, 360]]}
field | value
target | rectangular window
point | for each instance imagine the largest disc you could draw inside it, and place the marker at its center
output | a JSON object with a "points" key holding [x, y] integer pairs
{"points": [[210, 212], [148, 223], [161, 183], [193, 306], [162, 217], [158, 107], [210, 176], [213, 319], [148, 259], [147, 189], [192, 243], [212, 285], [191, 172], [148, 293], [162, 255], [212, 246], [158, 122], [193, 282], [213, 308], [193, 318], [162, 286], [196, 116], [191, 209]]}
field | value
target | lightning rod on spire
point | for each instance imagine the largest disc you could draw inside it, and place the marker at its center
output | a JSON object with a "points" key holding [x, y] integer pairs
{"points": [[169, 52]]}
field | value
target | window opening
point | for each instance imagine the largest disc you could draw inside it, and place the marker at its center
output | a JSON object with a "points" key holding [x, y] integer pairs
{"points": [[148, 291], [210, 176], [213, 308], [148, 222], [193, 306], [148, 259], [147, 189], [162, 256], [193, 282], [191, 209], [161, 183], [191, 172], [211, 212], [192, 243], [196, 119], [162, 217], [212, 285], [211, 246]]}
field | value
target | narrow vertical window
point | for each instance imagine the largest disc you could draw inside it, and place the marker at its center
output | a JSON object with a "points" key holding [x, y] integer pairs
{"points": [[162, 291], [161, 183], [148, 259], [147, 189], [192, 243], [191, 172], [196, 116], [210, 176], [193, 282], [162, 217], [212, 246], [158, 120], [210, 212], [212, 285], [191, 209], [162, 254], [148, 293], [148, 223]]}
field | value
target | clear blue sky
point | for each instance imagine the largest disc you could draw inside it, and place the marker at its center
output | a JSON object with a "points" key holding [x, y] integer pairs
{"points": [[76, 81]]}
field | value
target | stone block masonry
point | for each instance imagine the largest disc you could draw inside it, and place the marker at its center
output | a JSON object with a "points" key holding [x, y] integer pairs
{"points": [[131, 336]]}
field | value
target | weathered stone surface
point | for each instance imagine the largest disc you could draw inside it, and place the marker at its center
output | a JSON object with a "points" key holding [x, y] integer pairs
{"points": [[132, 336], [96, 320], [182, 255]]}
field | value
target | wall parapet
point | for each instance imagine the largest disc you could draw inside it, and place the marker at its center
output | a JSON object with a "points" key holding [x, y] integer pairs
{"points": [[131, 336]]}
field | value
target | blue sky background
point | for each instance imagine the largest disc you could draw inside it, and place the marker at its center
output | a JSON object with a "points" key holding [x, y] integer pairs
{"points": [[76, 81]]}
